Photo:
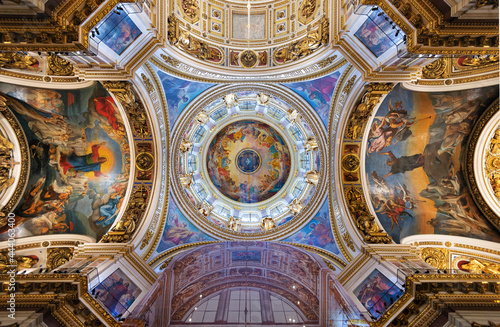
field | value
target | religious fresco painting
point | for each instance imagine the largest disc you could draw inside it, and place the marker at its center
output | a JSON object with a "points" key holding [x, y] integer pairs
{"points": [[415, 163], [377, 293], [246, 256], [79, 160], [318, 93], [179, 93], [248, 161], [117, 293], [118, 32], [318, 232], [373, 38], [178, 230]]}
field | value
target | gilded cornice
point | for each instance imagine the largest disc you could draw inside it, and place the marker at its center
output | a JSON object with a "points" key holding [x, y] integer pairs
{"points": [[339, 97], [423, 289], [157, 223], [68, 290], [434, 34], [316, 70]]}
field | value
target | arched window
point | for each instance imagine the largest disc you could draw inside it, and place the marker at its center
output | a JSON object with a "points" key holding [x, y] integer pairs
{"points": [[237, 306]]}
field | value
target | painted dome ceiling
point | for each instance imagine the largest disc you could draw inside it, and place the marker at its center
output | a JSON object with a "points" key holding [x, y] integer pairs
{"points": [[248, 161], [248, 156]]}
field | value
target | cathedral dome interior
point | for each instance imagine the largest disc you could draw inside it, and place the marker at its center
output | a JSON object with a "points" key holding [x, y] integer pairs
{"points": [[249, 163]]}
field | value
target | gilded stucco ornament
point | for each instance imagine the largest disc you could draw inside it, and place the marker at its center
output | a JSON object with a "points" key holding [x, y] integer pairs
{"points": [[16, 60], [248, 58], [267, 223], [147, 83], [20, 262], [478, 266], [58, 256], [191, 45], [301, 48], [359, 117], [306, 10], [436, 257], [234, 224], [59, 66], [144, 161], [492, 163], [6, 163], [436, 69], [190, 10], [364, 220], [350, 162]]}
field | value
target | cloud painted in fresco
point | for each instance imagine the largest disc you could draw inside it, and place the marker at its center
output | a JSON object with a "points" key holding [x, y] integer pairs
{"points": [[179, 93], [178, 230], [318, 232], [414, 163], [318, 93]]}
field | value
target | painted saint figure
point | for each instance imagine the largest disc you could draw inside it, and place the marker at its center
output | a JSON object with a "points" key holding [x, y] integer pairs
{"points": [[86, 163]]}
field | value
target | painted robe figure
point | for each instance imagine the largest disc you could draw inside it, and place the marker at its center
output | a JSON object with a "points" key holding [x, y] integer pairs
{"points": [[86, 163]]}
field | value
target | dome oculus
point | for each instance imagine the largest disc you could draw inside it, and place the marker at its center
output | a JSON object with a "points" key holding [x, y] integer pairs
{"points": [[248, 161]]}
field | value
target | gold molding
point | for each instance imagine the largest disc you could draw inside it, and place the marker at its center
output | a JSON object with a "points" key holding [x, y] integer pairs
{"points": [[352, 137], [25, 155], [158, 229], [462, 289], [469, 164]]}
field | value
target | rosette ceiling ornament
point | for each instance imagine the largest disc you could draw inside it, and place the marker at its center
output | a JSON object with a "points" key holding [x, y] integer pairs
{"points": [[240, 35], [249, 161]]}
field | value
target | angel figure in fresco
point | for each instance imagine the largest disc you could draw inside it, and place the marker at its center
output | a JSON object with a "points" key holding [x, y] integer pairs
{"points": [[392, 202], [178, 233], [86, 163], [394, 127]]}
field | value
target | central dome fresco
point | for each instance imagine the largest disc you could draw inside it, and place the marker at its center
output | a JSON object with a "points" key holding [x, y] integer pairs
{"points": [[248, 161]]}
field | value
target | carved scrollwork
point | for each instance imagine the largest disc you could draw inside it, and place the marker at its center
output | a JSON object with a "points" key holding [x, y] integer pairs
{"points": [[147, 83], [365, 222], [305, 46], [306, 10], [190, 10], [363, 111], [136, 113], [191, 45], [15, 60], [59, 66], [436, 69], [436, 257], [56, 257], [126, 226]]}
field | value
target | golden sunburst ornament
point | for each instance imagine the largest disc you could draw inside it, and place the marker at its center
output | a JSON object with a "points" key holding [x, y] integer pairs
{"points": [[248, 58]]}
